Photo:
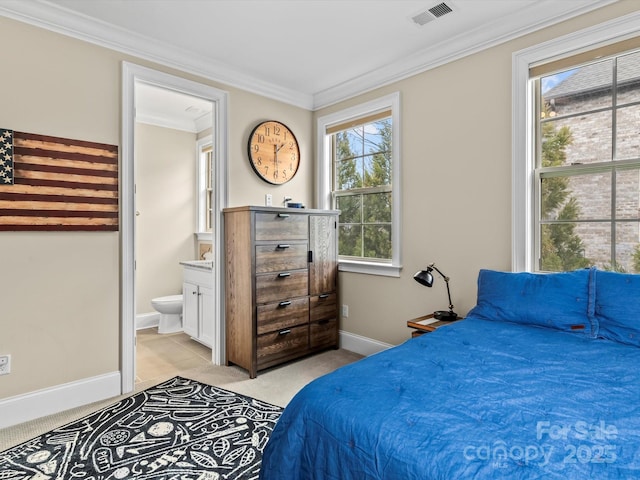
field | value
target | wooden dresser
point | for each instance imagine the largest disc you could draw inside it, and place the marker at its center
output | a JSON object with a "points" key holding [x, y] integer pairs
{"points": [[281, 284]]}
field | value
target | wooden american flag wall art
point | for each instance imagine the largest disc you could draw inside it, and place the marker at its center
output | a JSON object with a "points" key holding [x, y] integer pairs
{"points": [[51, 183]]}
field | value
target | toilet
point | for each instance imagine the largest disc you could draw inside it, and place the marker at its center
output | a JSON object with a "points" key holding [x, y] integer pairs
{"points": [[170, 308]]}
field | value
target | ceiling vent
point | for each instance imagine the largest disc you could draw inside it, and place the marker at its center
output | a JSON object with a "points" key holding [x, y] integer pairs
{"points": [[432, 13]]}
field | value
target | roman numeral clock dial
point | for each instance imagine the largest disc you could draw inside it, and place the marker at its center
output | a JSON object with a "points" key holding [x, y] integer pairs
{"points": [[273, 152]]}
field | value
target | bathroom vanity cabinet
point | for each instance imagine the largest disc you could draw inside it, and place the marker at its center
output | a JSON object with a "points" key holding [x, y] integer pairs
{"points": [[281, 284], [197, 310]]}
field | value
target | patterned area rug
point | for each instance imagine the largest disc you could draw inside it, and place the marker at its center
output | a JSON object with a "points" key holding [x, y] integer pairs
{"points": [[178, 430]]}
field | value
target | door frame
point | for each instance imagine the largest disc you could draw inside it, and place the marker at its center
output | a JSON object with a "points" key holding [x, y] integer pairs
{"points": [[132, 73]]}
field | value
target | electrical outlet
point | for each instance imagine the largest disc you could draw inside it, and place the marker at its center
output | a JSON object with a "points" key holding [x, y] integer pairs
{"points": [[5, 364], [268, 200], [344, 311]]}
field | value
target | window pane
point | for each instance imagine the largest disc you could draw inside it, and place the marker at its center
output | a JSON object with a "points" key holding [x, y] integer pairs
{"points": [[342, 146], [628, 78], [581, 89], [377, 170], [377, 241], [350, 240], [377, 136], [596, 238], [349, 174], [350, 208], [354, 137], [580, 197], [377, 208], [628, 194], [627, 247], [628, 133], [562, 247], [589, 137]]}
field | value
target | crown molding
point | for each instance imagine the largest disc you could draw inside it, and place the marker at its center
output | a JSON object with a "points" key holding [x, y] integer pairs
{"points": [[166, 122], [43, 14], [455, 48]]}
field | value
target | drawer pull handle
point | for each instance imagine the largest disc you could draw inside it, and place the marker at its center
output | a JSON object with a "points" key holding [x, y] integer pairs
{"points": [[284, 274], [283, 245], [283, 215], [286, 303], [324, 295], [323, 322], [284, 332]]}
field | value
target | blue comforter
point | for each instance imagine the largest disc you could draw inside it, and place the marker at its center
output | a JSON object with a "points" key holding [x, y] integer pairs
{"points": [[476, 399]]}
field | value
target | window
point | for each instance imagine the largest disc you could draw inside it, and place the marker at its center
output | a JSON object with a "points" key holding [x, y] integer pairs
{"points": [[588, 166], [204, 152], [359, 175], [575, 190]]}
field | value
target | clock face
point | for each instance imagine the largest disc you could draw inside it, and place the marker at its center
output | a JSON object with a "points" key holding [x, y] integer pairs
{"points": [[274, 152]]}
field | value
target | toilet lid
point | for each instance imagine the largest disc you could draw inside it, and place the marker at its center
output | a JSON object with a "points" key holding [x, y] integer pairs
{"points": [[168, 298]]}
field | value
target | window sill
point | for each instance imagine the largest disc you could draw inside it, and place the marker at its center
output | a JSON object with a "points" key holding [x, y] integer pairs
{"points": [[370, 268]]}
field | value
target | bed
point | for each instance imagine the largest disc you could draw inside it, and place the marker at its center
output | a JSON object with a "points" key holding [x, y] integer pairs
{"points": [[540, 381]]}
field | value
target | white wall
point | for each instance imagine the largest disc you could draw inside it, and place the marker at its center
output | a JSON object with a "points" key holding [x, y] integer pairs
{"points": [[166, 195]]}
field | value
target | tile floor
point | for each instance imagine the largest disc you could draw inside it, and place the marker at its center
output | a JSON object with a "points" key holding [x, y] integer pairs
{"points": [[167, 354]]}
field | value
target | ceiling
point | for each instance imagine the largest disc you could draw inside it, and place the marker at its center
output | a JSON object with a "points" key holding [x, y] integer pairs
{"points": [[309, 53]]}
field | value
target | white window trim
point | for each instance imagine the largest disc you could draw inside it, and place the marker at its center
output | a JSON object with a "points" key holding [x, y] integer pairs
{"points": [[522, 154], [324, 178], [201, 169]]}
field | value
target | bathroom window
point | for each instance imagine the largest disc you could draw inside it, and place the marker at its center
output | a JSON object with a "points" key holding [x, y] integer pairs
{"points": [[205, 186]]}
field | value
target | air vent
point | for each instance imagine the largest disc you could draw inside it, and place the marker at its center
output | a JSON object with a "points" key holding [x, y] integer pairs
{"points": [[434, 12], [440, 10]]}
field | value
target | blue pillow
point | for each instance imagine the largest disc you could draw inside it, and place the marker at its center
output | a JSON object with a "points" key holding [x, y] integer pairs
{"points": [[617, 306], [554, 300]]}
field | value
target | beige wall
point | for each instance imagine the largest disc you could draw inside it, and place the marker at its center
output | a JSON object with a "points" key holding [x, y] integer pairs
{"points": [[245, 112], [60, 291], [456, 184], [166, 196]]}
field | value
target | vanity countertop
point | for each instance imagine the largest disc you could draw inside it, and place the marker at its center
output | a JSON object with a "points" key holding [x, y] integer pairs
{"points": [[200, 264]]}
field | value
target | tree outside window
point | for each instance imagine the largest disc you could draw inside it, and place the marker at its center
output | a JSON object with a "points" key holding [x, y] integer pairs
{"points": [[363, 189]]}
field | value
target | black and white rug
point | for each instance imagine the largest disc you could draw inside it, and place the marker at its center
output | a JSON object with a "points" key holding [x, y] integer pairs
{"points": [[178, 430]]}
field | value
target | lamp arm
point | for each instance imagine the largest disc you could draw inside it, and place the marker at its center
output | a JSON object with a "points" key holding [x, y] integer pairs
{"points": [[446, 280]]}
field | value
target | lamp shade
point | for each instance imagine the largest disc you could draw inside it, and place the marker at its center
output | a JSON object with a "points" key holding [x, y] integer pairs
{"points": [[424, 277]]}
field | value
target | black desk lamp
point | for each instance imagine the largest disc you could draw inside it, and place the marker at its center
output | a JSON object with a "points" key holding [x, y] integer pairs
{"points": [[425, 277]]}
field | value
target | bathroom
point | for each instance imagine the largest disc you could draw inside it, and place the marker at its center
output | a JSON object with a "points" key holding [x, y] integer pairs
{"points": [[172, 146]]}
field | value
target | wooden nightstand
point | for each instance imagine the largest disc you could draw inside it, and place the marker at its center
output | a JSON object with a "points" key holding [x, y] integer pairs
{"points": [[424, 324]]}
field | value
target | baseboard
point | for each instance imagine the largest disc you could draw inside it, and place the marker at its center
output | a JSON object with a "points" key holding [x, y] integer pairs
{"points": [[147, 320], [362, 345], [40, 403]]}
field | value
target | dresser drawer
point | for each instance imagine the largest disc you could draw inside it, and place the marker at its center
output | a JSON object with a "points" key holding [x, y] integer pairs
{"points": [[323, 333], [281, 256], [281, 315], [324, 307], [271, 287], [281, 226], [283, 343]]}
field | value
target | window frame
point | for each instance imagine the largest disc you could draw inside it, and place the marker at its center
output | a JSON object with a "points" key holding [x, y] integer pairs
{"points": [[523, 185], [202, 144], [324, 178]]}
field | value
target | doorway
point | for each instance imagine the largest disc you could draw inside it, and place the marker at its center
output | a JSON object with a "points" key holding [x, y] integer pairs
{"points": [[136, 75]]}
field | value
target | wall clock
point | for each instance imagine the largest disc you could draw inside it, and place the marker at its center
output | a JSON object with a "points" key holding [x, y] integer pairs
{"points": [[273, 152]]}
